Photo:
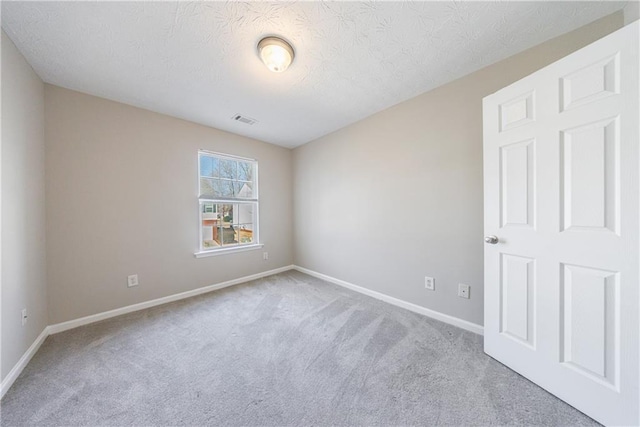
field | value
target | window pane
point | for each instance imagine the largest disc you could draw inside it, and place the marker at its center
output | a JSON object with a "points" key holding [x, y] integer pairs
{"points": [[234, 218], [227, 224], [228, 234], [215, 167], [237, 189], [227, 169], [212, 187], [244, 233], [227, 213], [245, 171], [206, 187], [244, 213], [209, 166], [223, 188], [206, 166], [220, 177], [244, 190], [209, 227]]}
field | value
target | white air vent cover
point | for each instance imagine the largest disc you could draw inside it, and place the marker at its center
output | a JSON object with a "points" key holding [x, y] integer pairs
{"points": [[244, 119]]}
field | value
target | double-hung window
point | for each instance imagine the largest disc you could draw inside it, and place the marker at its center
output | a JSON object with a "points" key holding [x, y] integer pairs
{"points": [[228, 201]]}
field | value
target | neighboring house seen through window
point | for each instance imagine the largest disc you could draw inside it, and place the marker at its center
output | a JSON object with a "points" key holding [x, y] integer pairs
{"points": [[228, 201]]}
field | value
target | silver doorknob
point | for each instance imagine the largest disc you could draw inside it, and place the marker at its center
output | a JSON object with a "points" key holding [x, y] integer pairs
{"points": [[492, 240]]}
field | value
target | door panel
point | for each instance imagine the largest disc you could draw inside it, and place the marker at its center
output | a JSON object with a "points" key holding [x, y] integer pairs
{"points": [[591, 83], [589, 316], [517, 183], [517, 288], [561, 163], [589, 169], [517, 111]]}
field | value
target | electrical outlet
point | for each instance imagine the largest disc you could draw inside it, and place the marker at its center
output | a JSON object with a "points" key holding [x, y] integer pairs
{"points": [[464, 291], [265, 256], [430, 283], [24, 316], [132, 280]]}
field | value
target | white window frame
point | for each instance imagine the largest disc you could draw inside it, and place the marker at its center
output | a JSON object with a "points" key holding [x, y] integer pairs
{"points": [[255, 201]]}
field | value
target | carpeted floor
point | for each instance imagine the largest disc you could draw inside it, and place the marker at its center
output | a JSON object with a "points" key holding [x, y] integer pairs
{"points": [[284, 350]]}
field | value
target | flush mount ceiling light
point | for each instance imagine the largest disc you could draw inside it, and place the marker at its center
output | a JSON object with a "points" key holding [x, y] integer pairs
{"points": [[276, 53]]}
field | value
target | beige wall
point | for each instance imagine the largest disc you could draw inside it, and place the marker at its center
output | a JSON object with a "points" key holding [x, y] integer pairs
{"points": [[23, 207], [122, 199], [398, 196], [631, 12]]}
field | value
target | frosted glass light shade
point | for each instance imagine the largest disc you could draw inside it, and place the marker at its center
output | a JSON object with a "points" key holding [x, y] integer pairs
{"points": [[276, 53]]}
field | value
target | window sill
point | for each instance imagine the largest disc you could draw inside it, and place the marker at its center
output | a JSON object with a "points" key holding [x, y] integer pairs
{"points": [[224, 251]]}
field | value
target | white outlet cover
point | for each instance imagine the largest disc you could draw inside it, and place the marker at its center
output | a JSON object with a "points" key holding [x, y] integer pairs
{"points": [[132, 280], [430, 283], [463, 290]]}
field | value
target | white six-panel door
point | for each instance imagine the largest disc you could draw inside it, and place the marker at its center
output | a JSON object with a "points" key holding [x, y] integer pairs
{"points": [[561, 160]]}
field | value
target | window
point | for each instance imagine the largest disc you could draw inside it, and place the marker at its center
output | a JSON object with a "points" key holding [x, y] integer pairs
{"points": [[228, 197]]}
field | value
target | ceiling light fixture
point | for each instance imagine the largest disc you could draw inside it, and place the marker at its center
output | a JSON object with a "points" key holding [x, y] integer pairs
{"points": [[276, 53]]}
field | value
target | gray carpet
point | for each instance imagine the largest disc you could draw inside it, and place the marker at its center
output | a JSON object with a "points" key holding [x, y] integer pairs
{"points": [[284, 350]]}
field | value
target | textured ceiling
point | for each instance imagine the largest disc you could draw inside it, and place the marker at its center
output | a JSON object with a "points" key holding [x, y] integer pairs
{"points": [[197, 60]]}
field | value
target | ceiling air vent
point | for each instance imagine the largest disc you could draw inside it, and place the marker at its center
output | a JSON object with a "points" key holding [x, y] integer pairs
{"points": [[244, 119]]}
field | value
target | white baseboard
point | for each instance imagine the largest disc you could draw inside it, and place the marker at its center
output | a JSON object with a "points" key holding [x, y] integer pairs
{"points": [[64, 326], [22, 363], [455, 321]]}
